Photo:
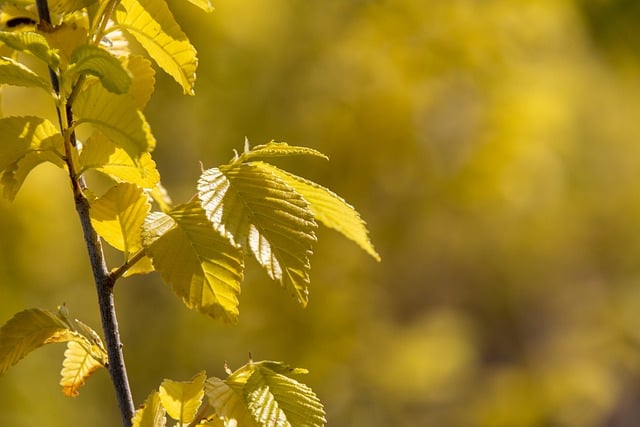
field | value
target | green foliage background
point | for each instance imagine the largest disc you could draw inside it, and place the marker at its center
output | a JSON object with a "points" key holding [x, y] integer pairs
{"points": [[492, 146]]}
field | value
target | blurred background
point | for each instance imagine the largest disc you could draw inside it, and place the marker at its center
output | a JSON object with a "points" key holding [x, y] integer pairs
{"points": [[492, 147]]}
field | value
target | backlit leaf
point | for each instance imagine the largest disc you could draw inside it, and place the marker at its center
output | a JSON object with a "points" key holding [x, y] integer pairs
{"points": [[152, 414], [228, 403], [77, 366], [278, 149], [203, 4], [144, 79], [202, 266], [118, 217], [117, 117], [182, 399], [33, 43], [329, 208], [263, 214], [92, 60], [16, 74], [153, 26]]}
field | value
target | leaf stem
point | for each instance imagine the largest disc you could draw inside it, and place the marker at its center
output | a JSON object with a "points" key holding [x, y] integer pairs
{"points": [[117, 273]]}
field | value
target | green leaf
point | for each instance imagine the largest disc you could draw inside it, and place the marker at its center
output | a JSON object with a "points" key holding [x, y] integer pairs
{"points": [[153, 26], [101, 154], [277, 149], [260, 212], [144, 79], [329, 208], [16, 74], [182, 399], [77, 366], [202, 266], [118, 217], [228, 403], [117, 117], [27, 331], [152, 414], [33, 43], [92, 60]]}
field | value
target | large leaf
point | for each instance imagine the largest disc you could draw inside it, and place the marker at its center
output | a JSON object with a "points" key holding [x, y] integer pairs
{"points": [[144, 79], [228, 403], [92, 60], [182, 399], [14, 73], [329, 208], [152, 414], [153, 26], [77, 366], [33, 43], [202, 266], [27, 331], [265, 215], [117, 117], [118, 217]]}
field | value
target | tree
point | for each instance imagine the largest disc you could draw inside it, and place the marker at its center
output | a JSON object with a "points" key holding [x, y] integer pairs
{"points": [[246, 207]]}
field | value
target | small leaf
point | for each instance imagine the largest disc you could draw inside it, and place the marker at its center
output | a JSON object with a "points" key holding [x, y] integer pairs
{"points": [[27, 331], [203, 4], [77, 366], [228, 403], [263, 214], [92, 60], [182, 399], [152, 414], [16, 74], [154, 27], [117, 117], [328, 208], [278, 149], [118, 217], [144, 79], [33, 43], [202, 266]]}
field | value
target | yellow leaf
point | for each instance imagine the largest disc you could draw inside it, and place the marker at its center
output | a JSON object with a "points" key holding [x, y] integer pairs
{"points": [[144, 79], [182, 399], [77, 366], [152, 414], [228, 403]]}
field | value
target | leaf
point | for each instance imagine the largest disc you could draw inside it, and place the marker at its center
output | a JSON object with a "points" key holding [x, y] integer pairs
{"points": [[101, 154], [203, 4], [329, 208], [27, 331], [144, 80], [260, 212], [118, 217], [92, 60], [277, 149], [33, 43], [65, 7], [16, 74], [67, 37], [228, 403], [77, 366], [201, 266], [117, 117], [153, 26], [277, 400], [182, 399], [152, 414]]}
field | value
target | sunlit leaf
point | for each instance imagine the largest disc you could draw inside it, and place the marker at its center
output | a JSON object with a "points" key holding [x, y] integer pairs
{"points": [[182, 399], [144, 79], [203, 4], [118, 217], [329, 208], [152, 414], [16, 74], [27, 331], [266, 216], [77, 366], [101, 154], [92, 60], [160, 195], [277, 149], [33, 43], [228, 403], [67, 37], [153, 26], [202, 266], [117, 117]]}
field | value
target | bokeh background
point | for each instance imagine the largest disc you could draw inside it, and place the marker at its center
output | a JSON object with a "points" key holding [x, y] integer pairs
{"points": [[493, 148]]}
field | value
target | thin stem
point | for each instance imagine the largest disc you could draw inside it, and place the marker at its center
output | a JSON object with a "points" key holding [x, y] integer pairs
{"points": [[116, 274], [103, 280]]}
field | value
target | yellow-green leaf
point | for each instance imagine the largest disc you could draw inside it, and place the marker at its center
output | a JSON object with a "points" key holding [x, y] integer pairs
{"points": [[181, 399], [99, 153], [263, 214], [328, 208], [152, 414], [118, 217], [16, 74], [33, 43], [154, 27], [144, 79], [117, 117], [203, 4], [92, 60], [277, 149], [77, 366], [27, 331], [228, 403], [203, 267]]}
